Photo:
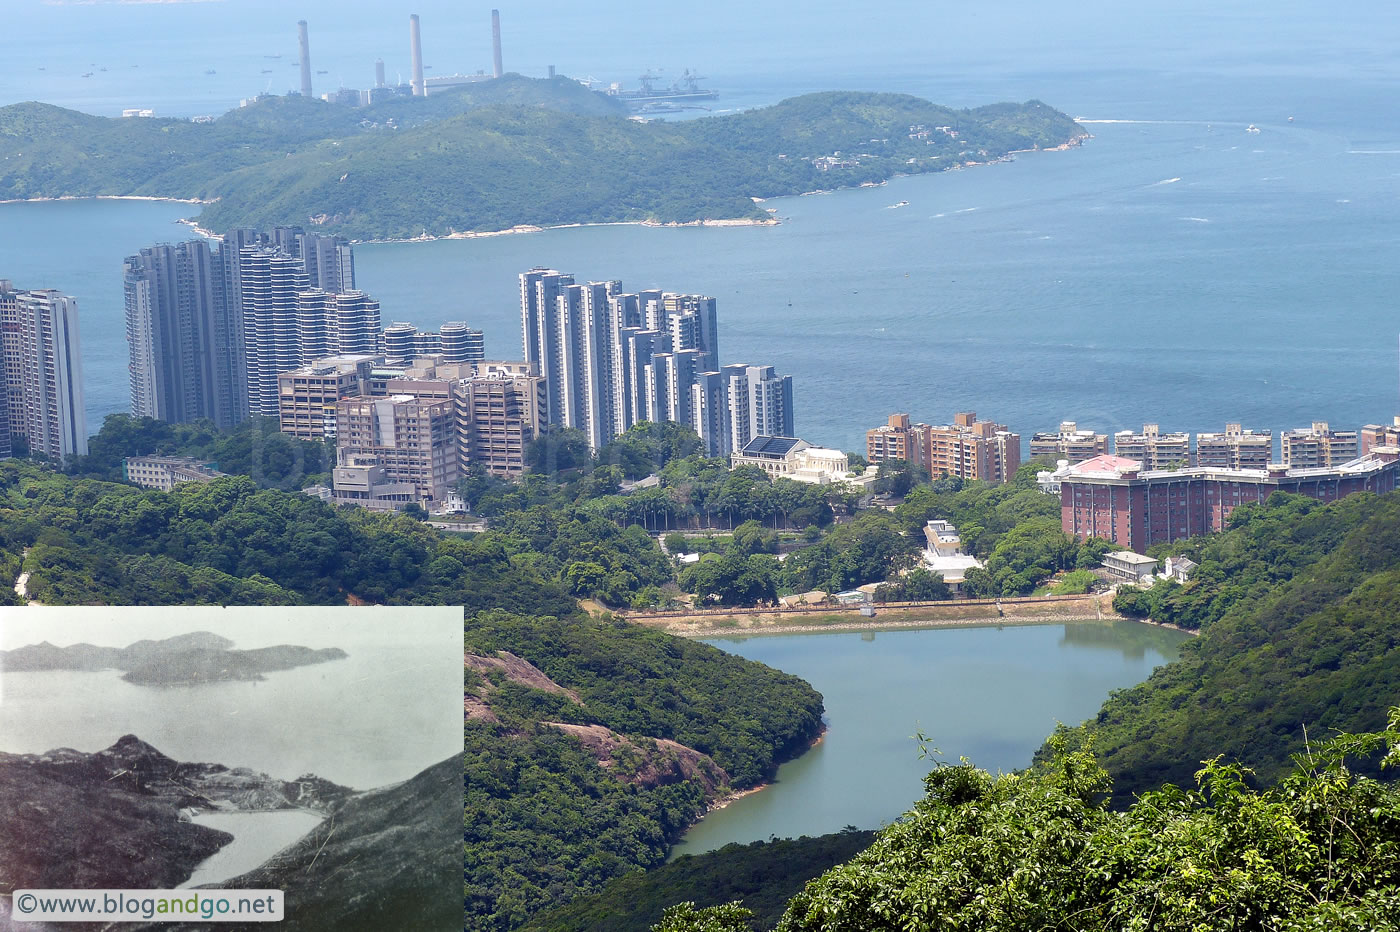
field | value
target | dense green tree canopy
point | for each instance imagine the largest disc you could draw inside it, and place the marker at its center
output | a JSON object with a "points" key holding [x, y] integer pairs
{"points": [[1297, 607], [1023, 853]]}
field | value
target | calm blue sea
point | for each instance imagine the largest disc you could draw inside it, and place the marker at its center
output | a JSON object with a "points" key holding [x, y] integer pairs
{"points": [[1175, 269]]}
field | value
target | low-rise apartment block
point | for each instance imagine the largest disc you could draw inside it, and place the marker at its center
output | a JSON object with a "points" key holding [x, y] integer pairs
{"points": [[166, 472], [1154, 449], [1380, 435], [966, 449], [1069, 443], [1318, 446], [1236, 448], [306, 397], [413, 439]]}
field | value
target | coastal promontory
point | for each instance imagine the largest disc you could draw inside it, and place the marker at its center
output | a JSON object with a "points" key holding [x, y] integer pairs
{"points": [[507, 154]]}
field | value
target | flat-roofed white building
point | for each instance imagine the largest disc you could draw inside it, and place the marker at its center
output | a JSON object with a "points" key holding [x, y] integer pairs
{"points": [[1129, 566], [166, 472]]}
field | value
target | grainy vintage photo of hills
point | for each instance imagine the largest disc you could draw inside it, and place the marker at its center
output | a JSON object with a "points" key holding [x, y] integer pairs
{"points": [[312, 750]]}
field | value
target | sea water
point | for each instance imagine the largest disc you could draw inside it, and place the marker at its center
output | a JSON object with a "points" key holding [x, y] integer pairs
{"points": [[1175, 269]]}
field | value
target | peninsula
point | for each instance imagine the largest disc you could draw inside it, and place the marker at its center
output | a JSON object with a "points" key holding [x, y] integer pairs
{"points": [[509, 154], [184, 660]]}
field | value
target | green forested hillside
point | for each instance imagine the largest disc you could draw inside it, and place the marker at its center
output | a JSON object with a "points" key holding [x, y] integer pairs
{"points": [[545, 821], [763, 875], [501, 154], [229, 542], [1299, 608]]}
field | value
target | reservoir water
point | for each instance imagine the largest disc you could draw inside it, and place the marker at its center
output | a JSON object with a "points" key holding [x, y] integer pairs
{"points": [[257, 836], [989, 694]]}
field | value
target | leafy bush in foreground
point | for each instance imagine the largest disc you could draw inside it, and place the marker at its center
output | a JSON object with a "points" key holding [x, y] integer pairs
{"points": [[1320, 850]]}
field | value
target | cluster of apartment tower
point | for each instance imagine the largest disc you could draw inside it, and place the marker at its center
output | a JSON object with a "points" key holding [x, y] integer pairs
{"points": [[611, 359], [210, 328], [272, 325], [1154, 487], [1235, 448]]}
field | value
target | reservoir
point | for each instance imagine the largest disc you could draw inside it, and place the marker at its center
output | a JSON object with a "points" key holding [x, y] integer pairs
{"points": [[257, 836], [986, 693]]}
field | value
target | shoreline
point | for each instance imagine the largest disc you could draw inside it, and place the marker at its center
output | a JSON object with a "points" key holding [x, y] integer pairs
{"points": [[535, 228], [724, 801], [741, 622], [914, 624], [105, 197]]}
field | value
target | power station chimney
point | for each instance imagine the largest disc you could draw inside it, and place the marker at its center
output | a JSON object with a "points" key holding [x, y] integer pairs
{"points": [[551, 72], [305, 59], [496, 41], [379, 72], [415, 51]]}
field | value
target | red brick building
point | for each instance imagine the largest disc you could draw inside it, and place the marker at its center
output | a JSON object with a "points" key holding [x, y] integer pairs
{"points": [[1114, 498]]}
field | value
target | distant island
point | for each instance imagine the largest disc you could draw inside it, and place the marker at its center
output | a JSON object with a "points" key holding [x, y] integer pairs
{"points": [[184, 660], [510, 154]]}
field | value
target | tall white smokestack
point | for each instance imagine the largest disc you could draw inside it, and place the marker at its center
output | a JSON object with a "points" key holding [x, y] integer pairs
{"points": [[415, 50], [496, 41], [305, 58]]}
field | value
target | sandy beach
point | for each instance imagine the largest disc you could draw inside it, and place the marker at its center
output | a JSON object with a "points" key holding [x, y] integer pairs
{"points": [[105, 197]]}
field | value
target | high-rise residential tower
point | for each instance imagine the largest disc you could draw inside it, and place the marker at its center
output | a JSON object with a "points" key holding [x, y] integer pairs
{"points": [[43, 370], [611, 359], [760, 404], [270, 282], [183, 354]]}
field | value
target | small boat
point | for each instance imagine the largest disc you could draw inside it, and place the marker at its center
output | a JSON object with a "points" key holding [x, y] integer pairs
{"points": [[1290, 119], [323, 72], [267, 71], [211, 71], [1251, 128], [900, 204], [88, 74]]}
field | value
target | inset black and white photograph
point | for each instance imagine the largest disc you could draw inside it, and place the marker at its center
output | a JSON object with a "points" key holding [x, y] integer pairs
{"points": [[313, 750]]}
